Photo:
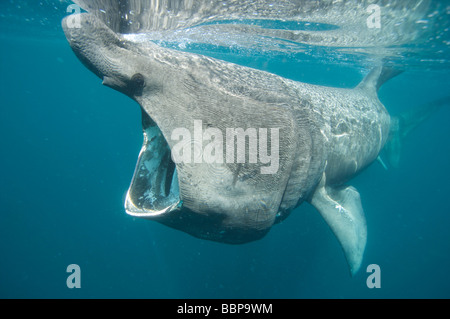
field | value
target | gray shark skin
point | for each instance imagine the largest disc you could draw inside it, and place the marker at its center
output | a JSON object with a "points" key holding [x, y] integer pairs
{"points": [[327, 135]]}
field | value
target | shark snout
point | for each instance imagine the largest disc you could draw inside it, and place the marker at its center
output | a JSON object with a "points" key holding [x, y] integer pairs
{"points": [[93, 43]]}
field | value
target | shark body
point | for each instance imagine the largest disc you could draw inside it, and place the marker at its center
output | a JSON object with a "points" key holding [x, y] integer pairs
{"points": [[326, 136]]}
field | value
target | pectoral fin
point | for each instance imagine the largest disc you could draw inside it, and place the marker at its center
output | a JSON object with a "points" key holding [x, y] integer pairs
{"points": [[341, 208]]}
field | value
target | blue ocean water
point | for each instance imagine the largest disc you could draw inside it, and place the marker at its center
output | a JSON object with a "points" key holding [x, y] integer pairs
{"points": [[68, 151]]}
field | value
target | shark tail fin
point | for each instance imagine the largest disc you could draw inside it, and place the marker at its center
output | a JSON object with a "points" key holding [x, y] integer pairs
{"points": [[377, 77], [405, 123]]}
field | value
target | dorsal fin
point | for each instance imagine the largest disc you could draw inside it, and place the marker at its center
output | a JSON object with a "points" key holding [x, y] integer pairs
{"points": [[377, 77]]}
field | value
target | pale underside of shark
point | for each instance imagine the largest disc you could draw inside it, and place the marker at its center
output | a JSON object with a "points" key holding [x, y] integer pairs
{"points": [[326, 136]]}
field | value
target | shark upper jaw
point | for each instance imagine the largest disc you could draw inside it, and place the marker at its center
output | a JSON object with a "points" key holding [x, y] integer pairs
{"points": [[154, 188]]}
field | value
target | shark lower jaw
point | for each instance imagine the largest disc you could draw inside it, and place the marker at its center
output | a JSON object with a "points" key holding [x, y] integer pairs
{"points": [[154, 194], [154, 190]]}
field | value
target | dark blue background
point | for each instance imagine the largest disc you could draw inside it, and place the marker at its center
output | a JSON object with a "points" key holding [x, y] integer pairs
{"points": [[68, 149]]}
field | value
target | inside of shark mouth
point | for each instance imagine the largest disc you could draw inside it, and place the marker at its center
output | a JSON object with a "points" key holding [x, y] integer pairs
{"points": [[154, 188]]}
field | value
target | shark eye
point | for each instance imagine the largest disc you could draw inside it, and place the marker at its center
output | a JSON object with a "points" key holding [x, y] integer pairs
{"points": [[137, 84]]}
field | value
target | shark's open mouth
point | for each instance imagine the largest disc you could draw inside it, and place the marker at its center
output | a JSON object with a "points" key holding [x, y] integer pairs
{"points": [[154, 189]]}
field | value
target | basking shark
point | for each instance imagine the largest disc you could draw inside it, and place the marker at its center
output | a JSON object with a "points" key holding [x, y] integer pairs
{"points": [[324, 137]]}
